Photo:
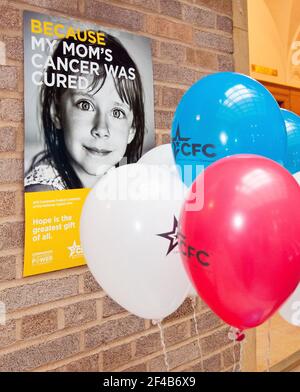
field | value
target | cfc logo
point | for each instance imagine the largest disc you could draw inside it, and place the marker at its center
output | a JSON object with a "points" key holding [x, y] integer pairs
{"points": [[75, 250], [182, 145]]}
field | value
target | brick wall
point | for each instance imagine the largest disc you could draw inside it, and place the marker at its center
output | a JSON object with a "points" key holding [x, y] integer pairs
{"points": [[63, 320]]}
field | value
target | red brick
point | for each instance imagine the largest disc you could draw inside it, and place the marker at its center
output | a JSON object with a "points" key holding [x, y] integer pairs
{"points": [[171, 97], [116, 356], [8, 139], [7, 268], [157, 364], [185, 309], [203, 305], [225, 63], [154, 48], [171, 8], [194, 368], [173, 52], [165, 139], [224, 23], [80, 313], [66, 5], [8, 77], [163, 119], [237, 368], [175, 74], [148, 344], [41, 354], [39, 293], [14, 48], [20, 203], [202, 58], [7, 203], [183, 355], [176, 333], [138, 368], [7, 333], [110, 307], [39, 324], [11, 235], [90, 284], [199, 17], [206, 322], [10, 18], [214, 41], [231, 357], [113, 330], [165, 28], [11, 109], [214, 341], [152, 5], [11, 170], [230, 370], [222, 6], [157, 90], [87, 364], [211, 364], [157, 139], [109, 13]]}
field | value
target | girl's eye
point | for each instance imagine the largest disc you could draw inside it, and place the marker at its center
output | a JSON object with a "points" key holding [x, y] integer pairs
{"points": [[118, 113], [85, 106]]}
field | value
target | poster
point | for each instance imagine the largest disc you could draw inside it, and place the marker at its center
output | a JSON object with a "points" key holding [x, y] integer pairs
{"points": [[88, 108]]}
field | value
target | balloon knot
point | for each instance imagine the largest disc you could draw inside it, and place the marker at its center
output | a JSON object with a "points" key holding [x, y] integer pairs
{"points": [[156, 322], [236, 334]]}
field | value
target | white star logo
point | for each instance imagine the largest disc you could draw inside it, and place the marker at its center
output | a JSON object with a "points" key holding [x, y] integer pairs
{"points": [[75, 250]]}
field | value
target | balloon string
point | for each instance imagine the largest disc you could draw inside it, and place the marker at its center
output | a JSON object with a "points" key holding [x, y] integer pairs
{"points": [[268, 357], [162, 339], [194, 301], [241, 355], [237, 335], [234, 359], [238, 364]]}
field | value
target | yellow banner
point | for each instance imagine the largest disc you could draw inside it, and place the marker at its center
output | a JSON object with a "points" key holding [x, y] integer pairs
{"points": [[52, 238]]}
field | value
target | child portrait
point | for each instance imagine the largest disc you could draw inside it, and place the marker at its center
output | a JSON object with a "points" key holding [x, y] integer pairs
{"points": [[88, 103]]}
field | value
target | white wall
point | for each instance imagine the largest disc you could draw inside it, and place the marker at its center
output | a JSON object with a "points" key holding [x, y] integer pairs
{"points": [[273, 27]]}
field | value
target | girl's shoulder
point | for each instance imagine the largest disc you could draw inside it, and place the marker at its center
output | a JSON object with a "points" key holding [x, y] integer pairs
{"points": [[43, 173]]}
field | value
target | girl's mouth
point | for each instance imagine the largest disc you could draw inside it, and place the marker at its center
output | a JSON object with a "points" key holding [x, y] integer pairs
{"points": [[99, 152]]}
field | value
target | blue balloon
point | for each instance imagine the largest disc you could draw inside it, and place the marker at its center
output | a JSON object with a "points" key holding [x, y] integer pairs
{"points": [[292, 124], [225, 114]]}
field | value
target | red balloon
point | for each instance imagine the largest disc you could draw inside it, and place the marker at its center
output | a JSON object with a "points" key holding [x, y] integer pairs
{"points": [[242, 249]]}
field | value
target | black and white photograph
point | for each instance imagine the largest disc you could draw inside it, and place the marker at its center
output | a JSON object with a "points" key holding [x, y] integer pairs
{"points": [[88, 102]]}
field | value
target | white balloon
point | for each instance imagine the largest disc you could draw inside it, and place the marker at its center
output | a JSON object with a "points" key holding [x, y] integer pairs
{"points": [[163, 156], [128, 229], [192, 291]]}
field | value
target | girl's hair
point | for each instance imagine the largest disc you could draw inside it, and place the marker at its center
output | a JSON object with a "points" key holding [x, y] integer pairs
{"points": [[130, 91]]}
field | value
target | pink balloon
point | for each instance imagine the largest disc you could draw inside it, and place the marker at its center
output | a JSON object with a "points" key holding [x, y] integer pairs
{"points": [[242, 249]]}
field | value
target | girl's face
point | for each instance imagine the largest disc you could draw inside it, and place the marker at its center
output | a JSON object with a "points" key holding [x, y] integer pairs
{"points": [[97, 128]]}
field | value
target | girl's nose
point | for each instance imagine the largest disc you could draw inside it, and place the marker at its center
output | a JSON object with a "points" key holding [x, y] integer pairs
{"points": [[100, 128]]}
